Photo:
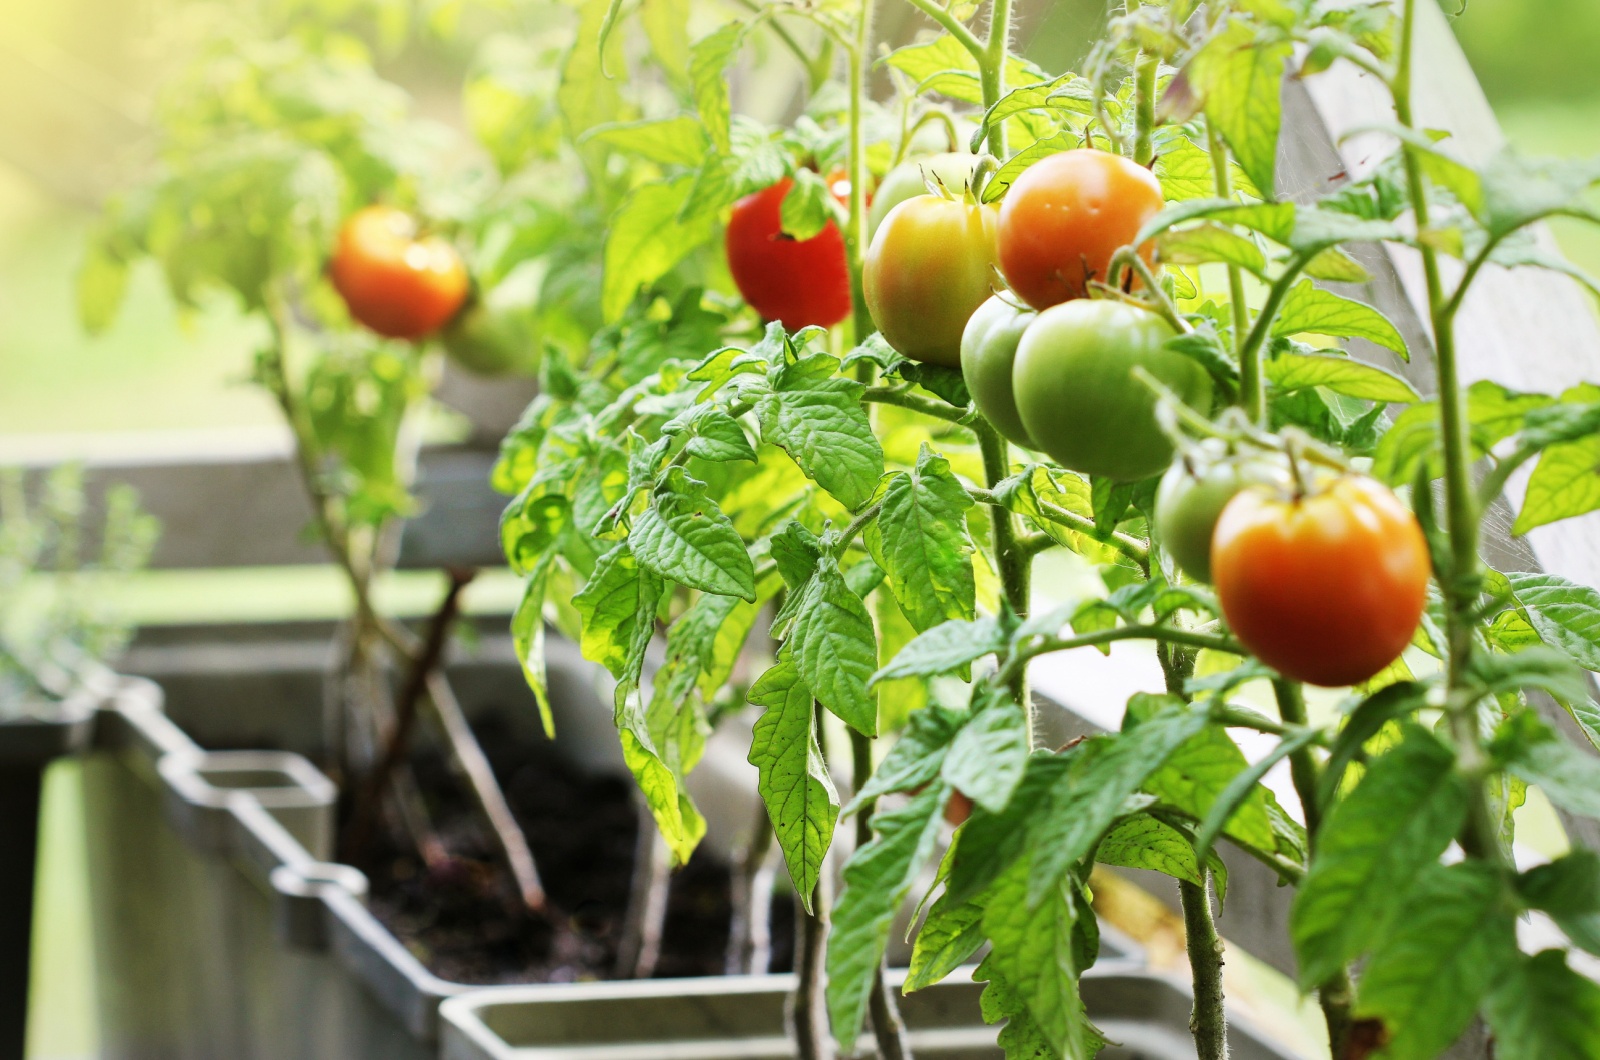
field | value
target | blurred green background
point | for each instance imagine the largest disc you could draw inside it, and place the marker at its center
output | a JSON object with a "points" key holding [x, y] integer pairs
{"points": [[76, 79]]}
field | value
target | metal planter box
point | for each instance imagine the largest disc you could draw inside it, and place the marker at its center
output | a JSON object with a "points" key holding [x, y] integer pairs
{"points": [[222, 930], [742, 1018]]}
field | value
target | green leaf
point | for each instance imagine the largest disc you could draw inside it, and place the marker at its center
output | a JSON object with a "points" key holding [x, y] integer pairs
{"points": [[666, 24], [1101, 775], [1006, 174], [1543, 1010], [680, 823], [1239, 74], [684, 537], [1372, 846], [1569, 890], [617, 606], [987, 758], [917, 756], [1184, 170], [708, 61], [835, 648], [920, 539], [1519, 191], [1389, 703], [951, 934], [1335, 266], [1537, 667], [679, 141], [1143, 842], [1566, 615], [804, 212], [646, 239], [1569, 777], [718, 436], [527, 636], [1566, 481], [1342, 375], [1200, 771], [1031, 949], [1206, 243], [1245, 785], [818, 420], [1455, 936], [794, 783], [1309, 308], [102, 283], [945, 648], [586, 96], [877, 879]]}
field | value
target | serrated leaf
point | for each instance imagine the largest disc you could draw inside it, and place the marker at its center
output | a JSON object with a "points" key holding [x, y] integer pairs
{"points": [[1239, 75], [1102, 774], [945, 648], [793, 775], [951, 934], [618, 599], [920, 540], [646, 238], [1372, 845], [877, 879], [1342, 375], [1543, 1010], [1031, 947], [684, 537], [987, 758], [708, 60], [1569, 777], [917, 756], [1204, 243], [1200, 772], [1309, 308], [675, 815], [1455, 936], [718, 436], [835, 648], [677, 141], [818, 420], [1565, 614], [1566, 481], [1142, 842]]}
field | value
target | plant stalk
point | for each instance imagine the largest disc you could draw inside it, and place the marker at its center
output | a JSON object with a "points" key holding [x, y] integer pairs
{"points": [[1460, 584], [1252, 390], [1012, 560], [858, 58], [887, 1028], [1334, 995], [1144, 113], [992, 71], [1207, 1022]]}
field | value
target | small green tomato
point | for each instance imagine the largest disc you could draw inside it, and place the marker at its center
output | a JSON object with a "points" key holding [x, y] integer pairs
{"points": [[1193, 493]]}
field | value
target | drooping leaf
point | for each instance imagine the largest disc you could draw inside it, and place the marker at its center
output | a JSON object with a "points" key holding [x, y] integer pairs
{"points": [[917, 756], [527, 635], [1568, 776], [920, 540], [877, 879], [988, 756], [1569, 890], [617, 606], [951, 934], [1455, 935], [834, 647], [1566, 482], [676, 141], [684, 537], [946, 648], [1372, 846], [794, 783], [1543, 1010]]}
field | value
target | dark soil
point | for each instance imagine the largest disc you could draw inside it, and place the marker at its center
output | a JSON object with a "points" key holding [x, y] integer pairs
{"points": [[462, 919]]}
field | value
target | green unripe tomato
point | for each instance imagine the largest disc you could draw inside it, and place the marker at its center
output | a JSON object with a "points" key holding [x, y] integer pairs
{"points": [[497, 333], [929, 268], [1078, 397], [954, 170], [1193, 493], [988, 361]]}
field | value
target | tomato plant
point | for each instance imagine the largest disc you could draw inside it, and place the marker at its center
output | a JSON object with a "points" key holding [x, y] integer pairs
{"points": [[828, 527], [930, 265]]}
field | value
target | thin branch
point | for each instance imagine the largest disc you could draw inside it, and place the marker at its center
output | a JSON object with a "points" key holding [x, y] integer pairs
{"points": [[906, 399], [1204, 946], [953, 26]]}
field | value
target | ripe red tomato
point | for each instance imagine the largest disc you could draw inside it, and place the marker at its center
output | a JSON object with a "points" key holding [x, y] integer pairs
{"points": [[1326, 588], [930, 265], [797, 282], [393, 282], [1065, 216]]}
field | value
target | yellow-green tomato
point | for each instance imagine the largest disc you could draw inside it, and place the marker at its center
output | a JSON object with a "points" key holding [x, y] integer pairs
{"points": [[988, 361], [929, 267], [908, 179], [497, 333], [1193, 493], [1077, 394]]}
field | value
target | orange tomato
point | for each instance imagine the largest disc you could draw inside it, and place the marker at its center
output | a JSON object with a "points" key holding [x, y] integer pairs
{"points": [[1065, 216], [1326, 588], [394, 283]]}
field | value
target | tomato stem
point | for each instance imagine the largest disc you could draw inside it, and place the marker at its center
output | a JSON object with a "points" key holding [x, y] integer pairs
{"points": [[992, 71], [1012, 561], [1222, 181], [1144, 113]]}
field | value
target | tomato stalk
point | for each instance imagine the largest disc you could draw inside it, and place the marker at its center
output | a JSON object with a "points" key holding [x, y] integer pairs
{"points": [[1253, 396], [1144, 111], [1461, 582]]}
